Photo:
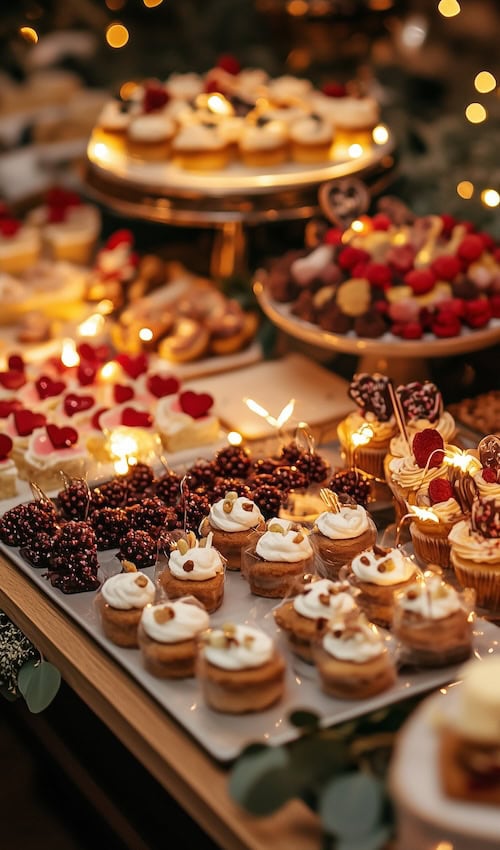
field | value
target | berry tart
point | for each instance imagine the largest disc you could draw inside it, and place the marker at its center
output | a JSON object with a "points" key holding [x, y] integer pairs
{"points": [[352, 659], [168, 637], [69, 228], [232, 520], [185, 421], [240, 670], [277, 559]]}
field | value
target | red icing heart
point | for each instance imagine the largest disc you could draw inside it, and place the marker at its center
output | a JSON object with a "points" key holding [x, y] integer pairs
{"points": [[16, 363], [122, 393], [9, 227], [76, 403], [136, 418], [93, 353], [61, 438], [195, 404], [133, 366], [8, 406], [95, 419], [160, 385], [13, 379], [86, 373], [46, 387], [26, 422], [5, 446]]}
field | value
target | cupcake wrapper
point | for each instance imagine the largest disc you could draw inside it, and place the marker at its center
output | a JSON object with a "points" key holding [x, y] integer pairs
{"points": [[483, 579], [430, 550]]}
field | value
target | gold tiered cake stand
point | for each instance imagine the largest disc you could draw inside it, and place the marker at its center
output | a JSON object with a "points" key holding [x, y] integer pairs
{"points": [[228, 201]]}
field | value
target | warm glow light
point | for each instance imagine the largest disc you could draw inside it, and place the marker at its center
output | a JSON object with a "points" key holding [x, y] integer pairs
{"points": [[101, 151], [127, 89], [444, 845], [414, 32], [150, 4], [92, 325], [484, 82], [285, 414], [424, 513], [297, 8], [115, 5], [105, 307], [362, 437], [449, 8], [126, 445], [355, 151], [476, 113], [117, 35], [219, 105], [110, 371], [146, 334], [465, 189], [357, 226], [29, 34], [380, 5], [490, 198], [121, 466], [380, 134], [234, 438], [257, 408], [278, 422], [465, 462], [69, 354]]}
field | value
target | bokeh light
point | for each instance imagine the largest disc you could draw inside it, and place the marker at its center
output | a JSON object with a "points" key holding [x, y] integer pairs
{"points": [[465, 189], [476, 113], [449, 8], [490, 198], [117, 35], [29, 34], [484, 82]]}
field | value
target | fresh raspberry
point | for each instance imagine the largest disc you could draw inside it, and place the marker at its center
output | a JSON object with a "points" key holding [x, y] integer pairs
{"points": [[446, 267], [456, 305], [470, 248], [477, 313], [440, 490], [381, 306], [420, 280], [229, 63], [400, 258], [334, 89], [9, 226], [212, 85], [489, 475], [404, 311], [120, 237], [378, 274], [381, 221], [496, 254], [16, 362], [350, 257], [428, 448], [155, 97], [495, 306], [488, 241], [333, 236], [446, 324], [449, 223], [412, 330]]}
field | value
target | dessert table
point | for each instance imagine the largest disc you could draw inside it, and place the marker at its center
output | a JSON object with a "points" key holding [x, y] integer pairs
{"points": [[197, 783]]}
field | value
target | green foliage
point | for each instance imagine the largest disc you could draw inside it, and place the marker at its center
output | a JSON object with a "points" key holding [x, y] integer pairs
{"points": [[38, 682], [351, 805]]}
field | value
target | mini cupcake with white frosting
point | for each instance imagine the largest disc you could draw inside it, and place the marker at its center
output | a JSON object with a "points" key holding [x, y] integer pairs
{"points": [[305, 617], [195, 567], [168, 637], [277, 559], [68, 227], [378, 574], [8, 469], [311, 139], [199, 146], [120, 603], [149, 136], [340, 533], [20, 246], [240, 669], [263, 143], [353, 661], [232, 520]]}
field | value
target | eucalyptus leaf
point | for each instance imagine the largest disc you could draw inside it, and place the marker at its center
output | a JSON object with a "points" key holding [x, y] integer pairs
{"points": [[303, 719], [351, 805], [262, 781], [373, 841], [317, 760], [38, 682], [273, 790]]}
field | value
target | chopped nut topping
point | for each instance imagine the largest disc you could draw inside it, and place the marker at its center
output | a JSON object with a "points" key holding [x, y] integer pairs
{"points": [[389, 565], [128, 567], [411, 594], [191, 539], [247, 506], [217, 640], [380, 551], [364, 560], [182, 546], [202, 543], [188, 566], [229, 629], [277, 529], [227, 506], [321, 622], [298, 538], [231, 496], [324, 598], [141, 581], [248, 640], [164, 614], [381, 568]]}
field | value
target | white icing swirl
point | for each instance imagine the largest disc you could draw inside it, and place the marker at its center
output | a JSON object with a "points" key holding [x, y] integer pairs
{"points": [[247, 648], [349, 522], [486, 488], [287, 88], [198, 137], [291, 546], [448, 511], [187, 621], [355, 113], [128, 590], [472, 546], [445, 425], [432, 599], [406, 472], [359, 645], [309, 130], [152, 127], [324, 598], [396, 567], [206, 563], [184, 86], [269, 136], [239, 518]]}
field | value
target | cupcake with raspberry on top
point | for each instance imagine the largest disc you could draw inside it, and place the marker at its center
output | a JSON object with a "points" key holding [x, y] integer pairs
{"points": [[429, 530]]}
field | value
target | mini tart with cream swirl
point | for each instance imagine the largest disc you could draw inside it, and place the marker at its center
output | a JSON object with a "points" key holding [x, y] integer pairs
{"points": [[340, 535], [352, 659], [120, 603], [378, 574], [305, 617], [278, 559], [231, 521], [240, 669], [433, 622], [168, 637], [195, 567]]}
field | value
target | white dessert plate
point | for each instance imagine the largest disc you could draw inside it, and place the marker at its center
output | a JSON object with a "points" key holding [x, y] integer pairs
{"points": [[387, 345], [426, 816], [224, 736]]}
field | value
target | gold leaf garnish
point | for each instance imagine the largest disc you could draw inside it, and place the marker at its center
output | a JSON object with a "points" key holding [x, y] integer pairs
{"points": [[330, 499]]}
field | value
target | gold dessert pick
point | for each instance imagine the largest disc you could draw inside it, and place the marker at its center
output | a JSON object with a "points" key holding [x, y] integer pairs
{"points": [[330, 499]]}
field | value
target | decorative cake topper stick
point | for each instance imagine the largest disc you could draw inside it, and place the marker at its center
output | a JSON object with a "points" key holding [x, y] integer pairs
{"points": [[330, 499], [343, 200], [398, 413]]}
